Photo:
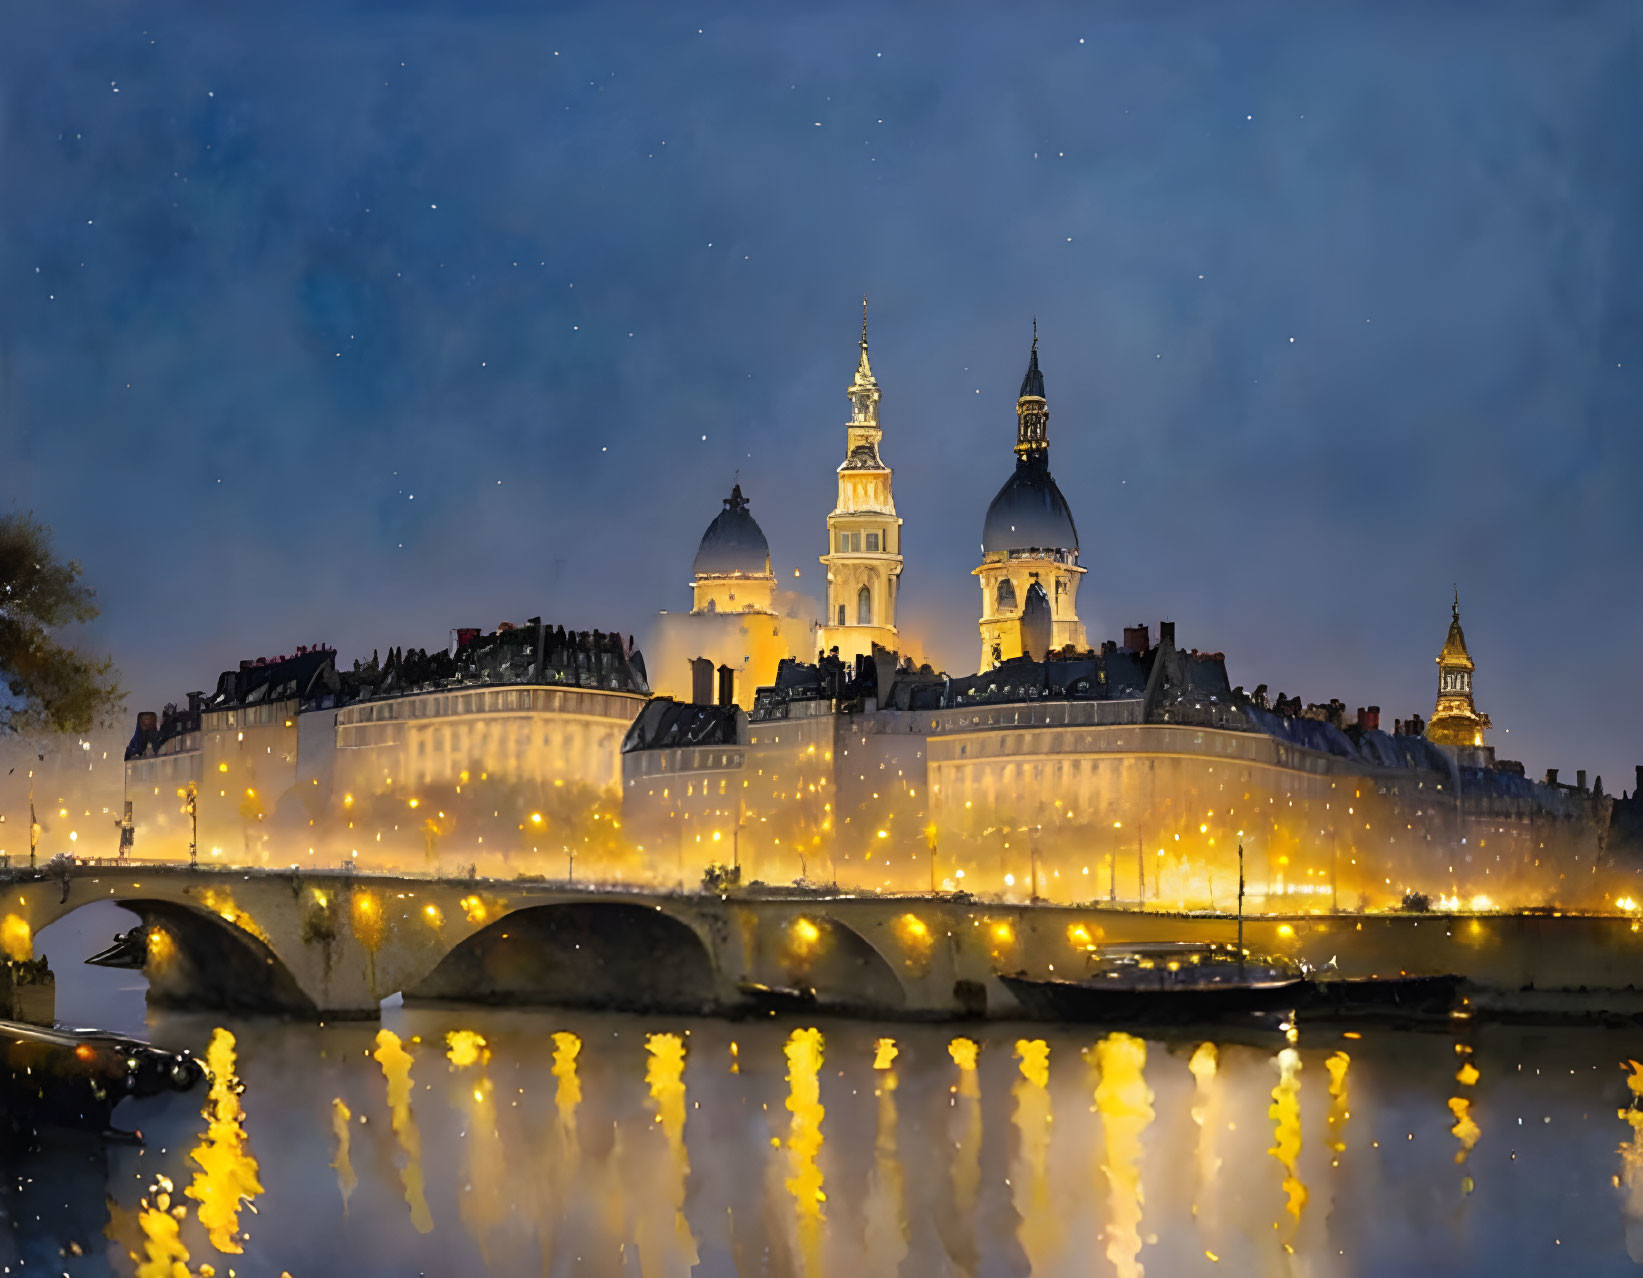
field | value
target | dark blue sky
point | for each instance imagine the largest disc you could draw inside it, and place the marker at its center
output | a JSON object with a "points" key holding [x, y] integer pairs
{"points": [[360, 324]]}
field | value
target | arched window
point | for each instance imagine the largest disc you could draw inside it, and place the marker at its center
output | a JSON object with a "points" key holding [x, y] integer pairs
{"points": [[841, 614], [1006, 594], [864, 607]]}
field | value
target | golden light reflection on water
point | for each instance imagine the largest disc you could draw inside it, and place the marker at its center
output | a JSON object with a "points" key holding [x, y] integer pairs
{"points": [[1285, 1113], [164, 1255], [1206, 1116], [484, 1197], [227, 1173], [886, 1224], [396, 1070], [913, 1118], [1631, 1163], [966, 1153], [1039, 1232], [672, 1250], [1466, 1129], [803, 1050], [342, 1162], [1339, 1102], [1124, 1102], [567, 1092]]}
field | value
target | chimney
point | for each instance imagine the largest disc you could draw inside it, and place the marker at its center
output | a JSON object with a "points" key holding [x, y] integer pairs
{"points": [[147, 721], [701, 681], [727, 686], [1372, 718], [1580, 778], [1551, 776], [1136, 638], [1166, 633], [1639, 789]]}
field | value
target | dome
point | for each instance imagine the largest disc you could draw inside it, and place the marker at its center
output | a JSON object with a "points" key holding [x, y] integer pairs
{"points": [[1029, 513], [733, 544]]}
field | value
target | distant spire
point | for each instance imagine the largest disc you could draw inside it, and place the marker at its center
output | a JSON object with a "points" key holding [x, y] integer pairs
{"points": [[864, 390], [1033, 383], [1031, 410]]}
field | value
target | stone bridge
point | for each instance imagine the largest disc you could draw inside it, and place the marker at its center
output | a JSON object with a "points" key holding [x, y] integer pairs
{"points": [[336, 944]]}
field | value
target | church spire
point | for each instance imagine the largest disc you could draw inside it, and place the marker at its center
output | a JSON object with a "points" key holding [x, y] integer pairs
{"points": [[864, 390], [1456, 719], [1032, 410]]}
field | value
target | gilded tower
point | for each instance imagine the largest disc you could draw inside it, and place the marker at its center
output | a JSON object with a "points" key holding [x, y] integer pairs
{"points": [[1455, 720], [1029, 545], [863, 558]]}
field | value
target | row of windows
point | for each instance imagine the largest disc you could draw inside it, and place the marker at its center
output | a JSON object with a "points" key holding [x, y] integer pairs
{"points": [[605, 705], [275, 712], [857, 542]]}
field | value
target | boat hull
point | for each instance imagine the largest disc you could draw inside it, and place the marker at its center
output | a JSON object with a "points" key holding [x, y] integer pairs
{"points": [[1089, 1003]]}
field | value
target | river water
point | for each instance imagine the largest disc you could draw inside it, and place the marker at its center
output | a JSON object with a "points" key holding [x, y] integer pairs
{"points": [[549, 1142]]}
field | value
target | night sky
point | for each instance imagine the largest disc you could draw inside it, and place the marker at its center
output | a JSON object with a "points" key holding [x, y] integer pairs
{"points": [[357, 324]]}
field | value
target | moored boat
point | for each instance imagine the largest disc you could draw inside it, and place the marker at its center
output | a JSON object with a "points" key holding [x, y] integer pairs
{"points": [[1164, 983], [56, 1077]]}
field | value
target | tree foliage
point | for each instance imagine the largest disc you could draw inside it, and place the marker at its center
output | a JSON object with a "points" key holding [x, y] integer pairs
{"points": [[46, 685]]}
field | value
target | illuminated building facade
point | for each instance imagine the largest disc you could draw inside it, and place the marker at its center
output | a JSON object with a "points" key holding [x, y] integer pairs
{"points": [[503, 742], [1029, 545], [863, 558], [738, 616], [1131, 774], [1455, 719]]}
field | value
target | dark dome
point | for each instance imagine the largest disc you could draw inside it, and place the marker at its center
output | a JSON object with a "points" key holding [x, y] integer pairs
{"points": [[733, 543], [1029, 513]]}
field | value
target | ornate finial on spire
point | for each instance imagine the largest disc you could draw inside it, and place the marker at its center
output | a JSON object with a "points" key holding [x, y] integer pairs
{"points": [[1457, 601], [1035, 332], [864, 389]]}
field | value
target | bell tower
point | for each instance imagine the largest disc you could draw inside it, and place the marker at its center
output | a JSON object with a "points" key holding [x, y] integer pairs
{"points": [[1455, 719], [863, 558]]}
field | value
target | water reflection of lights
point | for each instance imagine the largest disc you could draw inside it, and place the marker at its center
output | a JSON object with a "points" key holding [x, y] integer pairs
{"points": [[1337, 1064], [886, 1225], [804, 1141], [227, 1173], [1206, 1116], [1124, 1102], [485, 1195], [396, 1070], [164, 1255], [1631, 1163], [1039, 1230], [665, 1076], [342, 1162], [966, 1151], [567, 1093], [872, 1214], [1466, 1129], [1285, 1113]]}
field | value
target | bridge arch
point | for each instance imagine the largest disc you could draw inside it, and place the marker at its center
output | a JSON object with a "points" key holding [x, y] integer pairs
{"points": [[604, 954], [196, 958], [841, 965]]}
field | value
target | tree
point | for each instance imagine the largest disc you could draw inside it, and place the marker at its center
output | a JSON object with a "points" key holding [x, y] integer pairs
{"points": [[46, 684]]}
